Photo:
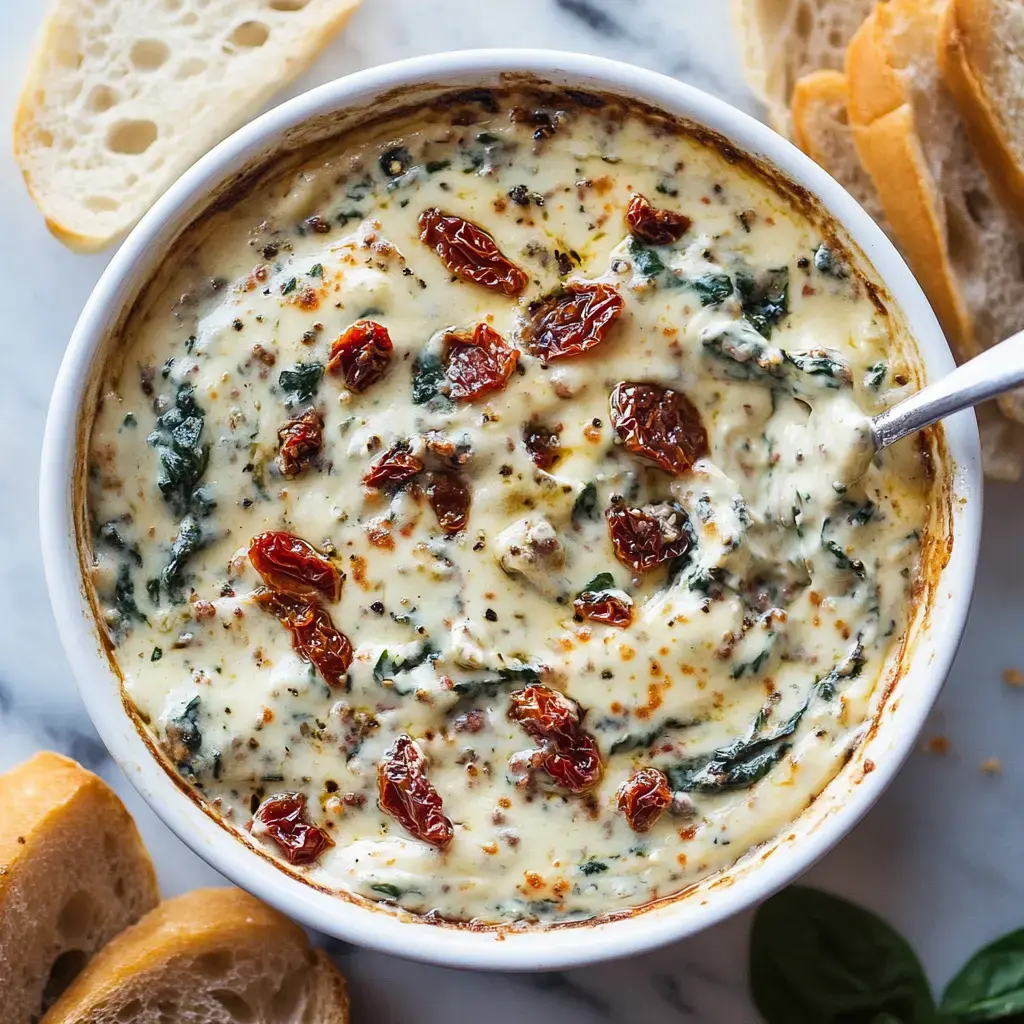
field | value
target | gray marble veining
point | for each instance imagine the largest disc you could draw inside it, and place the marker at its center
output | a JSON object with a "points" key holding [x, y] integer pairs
{"points": [[939, 855]]}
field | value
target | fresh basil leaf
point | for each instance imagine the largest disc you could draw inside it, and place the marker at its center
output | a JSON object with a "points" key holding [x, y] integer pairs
{"points": [[817, 959], [990, 986]]}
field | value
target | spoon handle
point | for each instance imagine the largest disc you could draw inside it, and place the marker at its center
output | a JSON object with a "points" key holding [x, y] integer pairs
{"points": [[995, 371]]}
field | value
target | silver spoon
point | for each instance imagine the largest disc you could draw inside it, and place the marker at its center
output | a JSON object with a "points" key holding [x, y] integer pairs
{"points": [[994, 372]]}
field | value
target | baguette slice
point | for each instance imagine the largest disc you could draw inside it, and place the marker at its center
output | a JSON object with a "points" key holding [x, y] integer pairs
{"points": [[212, 956], [981, 53], [783, 40], [961, 243], [821, 128], [73, 873], [121, 97]]}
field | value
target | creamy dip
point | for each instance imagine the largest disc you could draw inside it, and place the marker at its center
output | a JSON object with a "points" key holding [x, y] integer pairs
{"points": [[469, 517]]}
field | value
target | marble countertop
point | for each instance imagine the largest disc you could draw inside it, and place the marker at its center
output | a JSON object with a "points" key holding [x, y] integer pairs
{"points": [[940, 855]]}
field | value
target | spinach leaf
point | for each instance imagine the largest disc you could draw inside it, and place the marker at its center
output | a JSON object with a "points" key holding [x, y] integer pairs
{"points": [[822, 363], [109, 534], [181, 453], [184, 735], [593, 867], [124, 596], [990, 986], [584, 508], [387, 889], [646, 262], [744, 354], [754, 665], [765, 299], [859, 515], [644, 740], [740, 764], [816, 959], [172, 577], [876, 375], [712, 289], [492, 683], [826, 262], [301, 383], [838, 552], [602, 581], [427, 377], [849, 668], [388, 667]]}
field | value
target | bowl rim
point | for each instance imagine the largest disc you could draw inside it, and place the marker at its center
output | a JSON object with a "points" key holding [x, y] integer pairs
{"points": [[404, 935]]}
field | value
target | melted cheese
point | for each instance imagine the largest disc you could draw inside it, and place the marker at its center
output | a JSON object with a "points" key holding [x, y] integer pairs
{"points": [[794, 574]]}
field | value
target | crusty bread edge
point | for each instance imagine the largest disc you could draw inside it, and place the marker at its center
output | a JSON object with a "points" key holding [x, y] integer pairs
{"points": [[885, 136], [823, 85], [200, 921], [756, 62], [67, 780], [295, 65], [960, 49]]}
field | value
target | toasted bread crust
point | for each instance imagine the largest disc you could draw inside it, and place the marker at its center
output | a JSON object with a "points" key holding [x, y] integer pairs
{"points": [[164, 946], [963, 43], [885, 134], [816, 88], [54, 816]]}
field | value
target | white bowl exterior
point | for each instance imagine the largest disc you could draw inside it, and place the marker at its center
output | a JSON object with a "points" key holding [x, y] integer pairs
{"points": [[830, 817]]}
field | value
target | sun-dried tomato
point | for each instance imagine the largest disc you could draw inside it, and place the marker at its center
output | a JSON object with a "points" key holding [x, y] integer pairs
{"points": [[573, 322], [644, 797], [283, 818], [602, 606], [570, 755], [470, 252], [449, 497], [643, 538], [314, 635], [661, 425], [544, 714], [292, 566], [302, 440], [542, 443], [362, 353], [405, 792], [478, 363], [393, 468], [656, 227], [576, 768]]}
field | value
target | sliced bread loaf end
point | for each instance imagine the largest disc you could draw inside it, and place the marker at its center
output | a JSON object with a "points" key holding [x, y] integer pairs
{"points": [[213, 956], [783, 40], [120, 98], [73, 873], [957, 237], [981, 52], [821, 128]]}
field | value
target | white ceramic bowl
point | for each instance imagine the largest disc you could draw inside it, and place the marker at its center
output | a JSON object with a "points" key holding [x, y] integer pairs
{"points": [[320, 113]]}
